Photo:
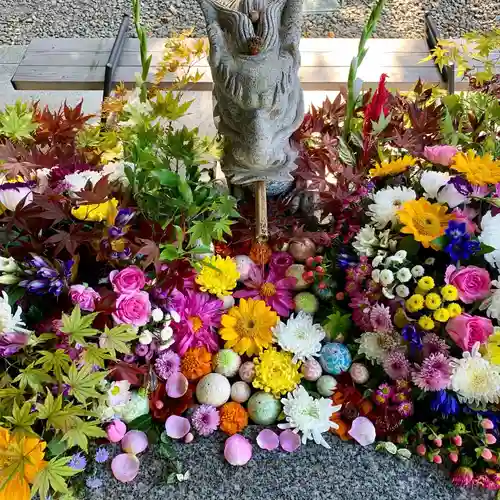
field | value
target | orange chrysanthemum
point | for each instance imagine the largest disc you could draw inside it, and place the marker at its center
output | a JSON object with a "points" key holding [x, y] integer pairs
{"points": [[233, 418], [260, 253], [196, 363], [393, 167]]}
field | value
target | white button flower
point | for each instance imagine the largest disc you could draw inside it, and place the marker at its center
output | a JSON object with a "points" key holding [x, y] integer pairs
{"points": [[386, 277], [404, 275], [402, 291], [417, 271]]}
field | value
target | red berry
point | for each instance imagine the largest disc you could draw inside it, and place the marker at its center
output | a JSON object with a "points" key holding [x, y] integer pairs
{"points": [[318, 259], [453, 457], [438, 442], [309, 261], [322, 285], [457, 440], [421, 449], [437, 459], [320, 270]]}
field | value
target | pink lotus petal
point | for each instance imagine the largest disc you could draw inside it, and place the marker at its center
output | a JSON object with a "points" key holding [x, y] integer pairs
{"points": [[116, 430], [237, 450], [363, 431], [177, 427], [289, 441], [177, 385], [134, 442], [125, 467], [268, 440]]}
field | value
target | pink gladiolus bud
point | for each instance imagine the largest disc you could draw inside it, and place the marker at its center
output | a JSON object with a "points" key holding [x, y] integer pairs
{"points": [[437, 459], [453, 457], [490, 438], [486, 454], [457, 440], [421, 449], [438, 442], [487, 424], [116, 430]]}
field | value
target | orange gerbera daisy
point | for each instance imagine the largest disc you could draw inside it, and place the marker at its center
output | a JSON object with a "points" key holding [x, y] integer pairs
{"points": [[196, 363], [393, 167], [478, 170], [233, 418]]}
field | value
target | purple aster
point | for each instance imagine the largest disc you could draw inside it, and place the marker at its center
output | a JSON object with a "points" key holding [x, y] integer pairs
{"points": [[434, 374], [101, 455], [167, 363], [280, 262], [205, 420], [396, 365], [78, 462], [433, 344], [93, 483]]}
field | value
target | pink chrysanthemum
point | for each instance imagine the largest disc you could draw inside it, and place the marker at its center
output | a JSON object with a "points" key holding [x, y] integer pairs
{"points": [[167, 363], [396, 365], [433, 344], [205, 420], [360, 305], [199, 315], [462, 477], [380, 319], [434, 374], [273, 289]]}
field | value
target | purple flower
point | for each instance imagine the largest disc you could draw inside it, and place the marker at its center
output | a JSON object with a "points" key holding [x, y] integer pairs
{"points": [[124, 216], [129, 358], [167, 363], [434, 374], [280, 262], [101, 455], [78, 462], [141, 350], [205, 420], [433, 343], [11, 342], [380, 319], [396, 365], [93, 483]]}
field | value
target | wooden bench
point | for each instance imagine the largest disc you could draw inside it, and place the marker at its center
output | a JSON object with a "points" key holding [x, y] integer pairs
{"points": [[79, 64]]}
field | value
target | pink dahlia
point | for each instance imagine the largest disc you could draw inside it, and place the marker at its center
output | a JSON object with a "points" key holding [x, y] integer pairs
{"points": [[396, 365], [380, 319], [205, 420], [167, 363], [199, 315], [274, 290], [433, 344], [434, 374]]}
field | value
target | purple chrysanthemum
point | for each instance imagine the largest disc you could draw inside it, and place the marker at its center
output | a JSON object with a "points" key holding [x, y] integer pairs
{"points": [[93, 483], [205, 420], [380, 319], [167, 363], [434, 374], [396, 365], [78, 462], [101, 455], [433, 344], [280, 262]]}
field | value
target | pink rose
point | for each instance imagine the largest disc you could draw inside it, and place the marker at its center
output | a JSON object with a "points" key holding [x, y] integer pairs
{"points": [[472, 282], [134, 309], [442, 155], [466, 215], [466, 330], [84, 296], [129, 280]]}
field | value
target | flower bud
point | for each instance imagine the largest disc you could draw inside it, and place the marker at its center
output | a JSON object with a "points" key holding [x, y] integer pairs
{"points": [[437, 459], [438, 442], [457, 440], [421, 449], [453, 457], [486, 454], [490, 438], [487, 424]]}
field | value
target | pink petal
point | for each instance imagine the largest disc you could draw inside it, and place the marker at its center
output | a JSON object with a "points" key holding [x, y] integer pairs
{"points": [[177, 427], [116, 430], [268, 440], [134, 442], [177, 385], [243, 294], [237, 450], [125, 467], [363, 431], [289, 441]]}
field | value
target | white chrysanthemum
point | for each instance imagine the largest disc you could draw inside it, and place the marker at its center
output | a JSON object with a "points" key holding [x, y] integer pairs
{"points": [[404, 275], [371, 344], [490, 235], [10, 322], [309, 416], [77, 181], [386, 204], [492, 303], [402, 291], [417, 271], [475, 380], [365, 241], [300, 336], [386, 277], [432, 182]]}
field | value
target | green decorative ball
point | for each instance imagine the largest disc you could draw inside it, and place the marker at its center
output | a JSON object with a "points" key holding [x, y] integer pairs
{"points": [[264, 408], [323, 293], [136, 407], [307, 302]]}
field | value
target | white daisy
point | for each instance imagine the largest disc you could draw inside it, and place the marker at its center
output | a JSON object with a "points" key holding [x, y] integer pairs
{"points": [[366, 241], [119, 393], [372, 345], [404, 275], [417, 271], [386, 204], [490, 235], [300, 336], [432, 182]]}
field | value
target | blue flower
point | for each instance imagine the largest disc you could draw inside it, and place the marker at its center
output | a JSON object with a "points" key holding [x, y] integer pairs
{"points": [[93, 483], [101, 455], [456, 230], [414, 337], [445, 403], [78, 462], [460, 246]]}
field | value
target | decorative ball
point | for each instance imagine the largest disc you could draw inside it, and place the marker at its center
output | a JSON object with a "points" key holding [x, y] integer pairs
{"points": [[247, 371], [335, 358], [226, 362], [311, 370], [264, 408], [228, 302], [201, 256], [296, 271], [325, 293], [213, 389], [240, 392], [137, 406], [302, 248], [243, 265], [359, 373], [307, 302], [326, 385]]}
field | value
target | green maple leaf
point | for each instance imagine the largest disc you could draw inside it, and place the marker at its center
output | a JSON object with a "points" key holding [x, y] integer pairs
{"points": [[33, 377], [95, 356], [222, 227], [8, 397], [78, 327], [203, 231], [52, 478], [57, 361], [59, 417], [227, 206], [336, 324], [22, 417], [115, 340], [79, 434], [83, 383], [16, 122]]}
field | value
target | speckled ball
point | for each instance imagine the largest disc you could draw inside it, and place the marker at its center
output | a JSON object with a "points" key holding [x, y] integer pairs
{"points": [[359, 373], [264, 408], [296, 271], [247, 372], [323, 293], [307, 302], [226, 362], [311, 370], [228, 302], [243, 264], [240, 392], [326, 385], [335, 358], [213, 389]]}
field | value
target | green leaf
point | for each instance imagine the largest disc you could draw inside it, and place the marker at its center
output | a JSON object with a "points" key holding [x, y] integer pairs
{"points": [[57, 361], [345, 154], [381, 125], [485, 249], [227, 206], [94, 355], [141, 423], [57, 446], [61, 419], [439, 243], [410, 245], [185, 190], [32, 377], [337, 323], [115, 340], [78, 435], [166, 177], [201, 230], [16, 122], [78, 327], [83, 384], [169, 253], [22, 418], [52, 478], [221, 227]]}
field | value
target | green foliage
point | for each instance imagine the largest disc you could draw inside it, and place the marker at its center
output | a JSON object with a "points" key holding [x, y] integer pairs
{"points": [[82, 430], [57, 361], [83, 383], [22, 418], [16, 122], [53, 478], [32, 377], [115, 339], [337, 324], [78, 327]]}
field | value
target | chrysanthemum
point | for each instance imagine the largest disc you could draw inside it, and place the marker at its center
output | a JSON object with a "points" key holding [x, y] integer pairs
{"points": [[246, 328], [386, 203], [366, 241], [274, 289], [475, 380], [492, 303], [309, 416], [300, 336], [393, 167], [275, 372], [434, 374], [490, 235], [380, 319], [478, 170], [218, 276], [434, 344], [205, 420], [376, 345], [167, 363], [424, 220], [396, 365]]}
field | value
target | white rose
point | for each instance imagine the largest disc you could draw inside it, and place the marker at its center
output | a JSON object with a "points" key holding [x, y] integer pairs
{"points": [[157, 315], [146, 337], [404, 275], [386, 277], [402, 291], [417, 271]]}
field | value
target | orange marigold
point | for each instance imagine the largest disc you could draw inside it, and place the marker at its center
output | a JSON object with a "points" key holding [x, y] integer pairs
{"points": [[260, 253], [196, 363], [343, 427], [233, 418]]}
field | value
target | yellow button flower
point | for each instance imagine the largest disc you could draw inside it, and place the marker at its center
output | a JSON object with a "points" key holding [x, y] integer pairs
{"points": [[426, 323], [218, 275], [454, 309], [432, 301], [415, 303], [449, 293], [426, 283], [97, 212], [442, 315]]}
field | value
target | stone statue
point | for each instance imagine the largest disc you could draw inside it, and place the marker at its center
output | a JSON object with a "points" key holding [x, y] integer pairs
{"points": [[255, 58]]}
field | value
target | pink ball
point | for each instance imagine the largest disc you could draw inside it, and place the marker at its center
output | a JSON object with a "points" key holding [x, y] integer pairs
{"points": [[311, 370], [237, 450], [359, 373], [247, 372]]}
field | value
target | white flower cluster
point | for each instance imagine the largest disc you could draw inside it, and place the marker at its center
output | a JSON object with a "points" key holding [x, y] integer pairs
{"points": [[368, 241], [164, 335], [386, 203]]}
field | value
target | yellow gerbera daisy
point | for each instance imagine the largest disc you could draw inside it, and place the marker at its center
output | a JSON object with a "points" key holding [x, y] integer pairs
{"points": [[478, 170], [218, 275], [393, 167], [492, 348], [424, 220], [246, 328]]}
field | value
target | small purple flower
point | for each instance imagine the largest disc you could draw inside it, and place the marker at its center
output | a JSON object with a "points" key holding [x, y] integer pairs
{"points": [[167, 363], [124, 216], [101, 455], [205, 420], [78, 462], [93, 483], [115, 232], [141, 350], [129, 358], [461, 185]]}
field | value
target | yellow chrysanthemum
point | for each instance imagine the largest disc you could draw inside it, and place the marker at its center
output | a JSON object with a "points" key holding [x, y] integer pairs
{"points": [[246, 328], [442, 315], [454, 309], [492, 349], [393, 167], [426, 323], [449, 293], [478, 170], [432, 301], [426, 283], [97, 212], [275, 372], [21, 459], [218, 275], [415, 303], [424, 220]]}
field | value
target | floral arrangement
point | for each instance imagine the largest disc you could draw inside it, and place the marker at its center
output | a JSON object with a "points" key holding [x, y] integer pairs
{"points": [[136, 309]]}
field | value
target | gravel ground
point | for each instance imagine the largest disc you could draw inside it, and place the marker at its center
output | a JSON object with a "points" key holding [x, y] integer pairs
{"points": [[22, 20]]}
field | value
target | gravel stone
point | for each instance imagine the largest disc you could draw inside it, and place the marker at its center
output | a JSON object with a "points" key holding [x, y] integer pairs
{"points": [[22, 20]]}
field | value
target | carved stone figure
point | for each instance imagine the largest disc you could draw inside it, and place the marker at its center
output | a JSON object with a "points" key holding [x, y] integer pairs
{"points": [[255, 58]]}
